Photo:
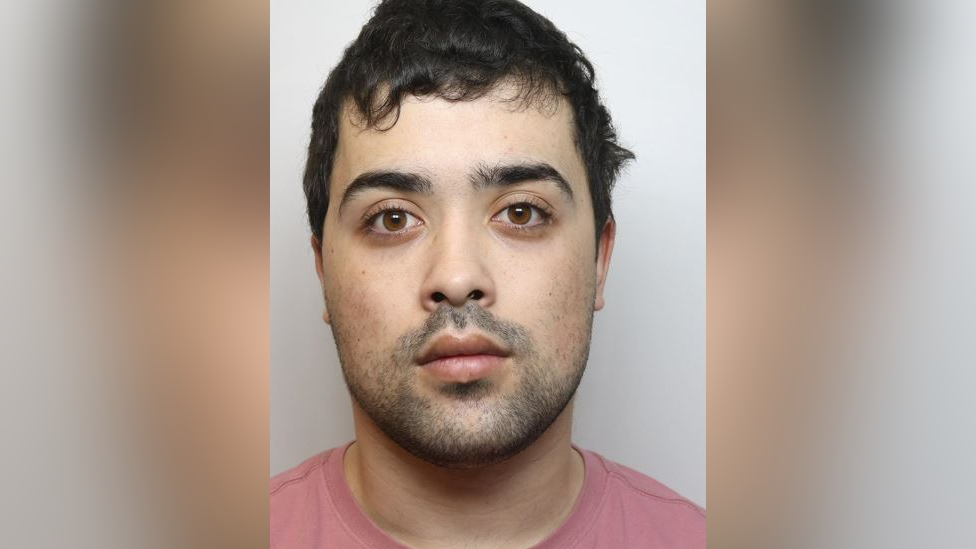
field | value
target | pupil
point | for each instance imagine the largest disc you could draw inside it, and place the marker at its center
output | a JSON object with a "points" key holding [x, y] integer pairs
{"points": [[519, 214], [393, 221]]}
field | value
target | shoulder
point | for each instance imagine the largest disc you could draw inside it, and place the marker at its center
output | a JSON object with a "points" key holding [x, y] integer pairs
{"points": [[647, 505], [300, 494], [643, 487], [301, 505], [298, 478]]}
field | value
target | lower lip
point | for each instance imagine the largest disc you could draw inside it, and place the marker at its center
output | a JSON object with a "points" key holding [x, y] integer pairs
{"points": [[463, 369]]}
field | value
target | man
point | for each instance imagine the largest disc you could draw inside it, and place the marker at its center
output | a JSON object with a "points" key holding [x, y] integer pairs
{"points": [[458, 186]]}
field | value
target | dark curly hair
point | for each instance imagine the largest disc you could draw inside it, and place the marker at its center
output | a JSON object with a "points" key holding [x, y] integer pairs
{"points": [[459, 50]]}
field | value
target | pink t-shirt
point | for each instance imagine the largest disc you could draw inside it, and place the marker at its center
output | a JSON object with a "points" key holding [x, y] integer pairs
{"points": [[619, 508]]}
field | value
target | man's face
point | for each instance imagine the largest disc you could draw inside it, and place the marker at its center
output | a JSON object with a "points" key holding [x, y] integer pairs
{"points": [[460, 274]]}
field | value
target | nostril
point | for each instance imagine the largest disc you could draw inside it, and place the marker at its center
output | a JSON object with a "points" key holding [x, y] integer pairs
{"points": [[438, 297], [476, 295]]}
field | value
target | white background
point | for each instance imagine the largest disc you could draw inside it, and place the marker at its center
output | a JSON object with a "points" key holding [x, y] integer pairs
{"points": [[642, 401]]}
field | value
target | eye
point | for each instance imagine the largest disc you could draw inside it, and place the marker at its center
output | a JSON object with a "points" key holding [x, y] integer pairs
{"points": [[522, 214], [392, 221]]}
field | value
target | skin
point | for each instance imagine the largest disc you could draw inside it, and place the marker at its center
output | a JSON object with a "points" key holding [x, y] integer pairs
{"points": [[548, 280]]}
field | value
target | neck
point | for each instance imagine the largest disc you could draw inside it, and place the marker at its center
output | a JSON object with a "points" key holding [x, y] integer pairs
{"points": [[514, 504]]}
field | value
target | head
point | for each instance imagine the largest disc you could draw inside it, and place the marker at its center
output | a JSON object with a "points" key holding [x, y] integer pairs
{"points": [[459, 173]]}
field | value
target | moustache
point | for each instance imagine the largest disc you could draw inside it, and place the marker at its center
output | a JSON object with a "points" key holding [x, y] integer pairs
{"points": [[512, 334]]}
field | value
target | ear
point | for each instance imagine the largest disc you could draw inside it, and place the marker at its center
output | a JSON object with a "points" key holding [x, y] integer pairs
{"points": [[603, 253], [319, 270]]}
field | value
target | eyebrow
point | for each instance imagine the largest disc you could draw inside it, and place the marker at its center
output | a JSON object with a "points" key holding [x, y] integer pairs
{"points": [[506, 175], [393, 180], [483, 177]]}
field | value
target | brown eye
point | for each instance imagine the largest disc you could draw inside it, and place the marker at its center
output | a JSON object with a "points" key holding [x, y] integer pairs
{"points": [[520, 214], [394, 220]]}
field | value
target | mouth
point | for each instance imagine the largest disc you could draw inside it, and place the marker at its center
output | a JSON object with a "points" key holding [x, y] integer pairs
{"points": [[462, 359]]}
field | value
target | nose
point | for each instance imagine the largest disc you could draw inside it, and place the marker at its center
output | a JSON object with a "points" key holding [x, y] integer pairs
{"points": [[458, 274]]}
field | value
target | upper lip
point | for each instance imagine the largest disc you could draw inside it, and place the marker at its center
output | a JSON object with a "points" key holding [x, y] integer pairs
{"points": [[468, 345]]}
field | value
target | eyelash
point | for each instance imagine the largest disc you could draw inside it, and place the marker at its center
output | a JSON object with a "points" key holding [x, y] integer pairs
{"points": [[369, 218], [536, 204]]}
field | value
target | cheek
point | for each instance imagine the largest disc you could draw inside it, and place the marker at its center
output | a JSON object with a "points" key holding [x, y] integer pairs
{"points": [[367, 305], [360, 327], [557, 306]]}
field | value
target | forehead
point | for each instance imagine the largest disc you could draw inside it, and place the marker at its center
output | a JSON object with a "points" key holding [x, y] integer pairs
{"points": [[447, 139]]}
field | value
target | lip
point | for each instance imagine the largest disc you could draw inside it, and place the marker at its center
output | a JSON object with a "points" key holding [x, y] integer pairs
{"points": [[462, 359]]}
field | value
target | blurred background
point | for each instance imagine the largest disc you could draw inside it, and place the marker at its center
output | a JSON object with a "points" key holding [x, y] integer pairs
{"points": [[840, 252], [134, 398]]}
